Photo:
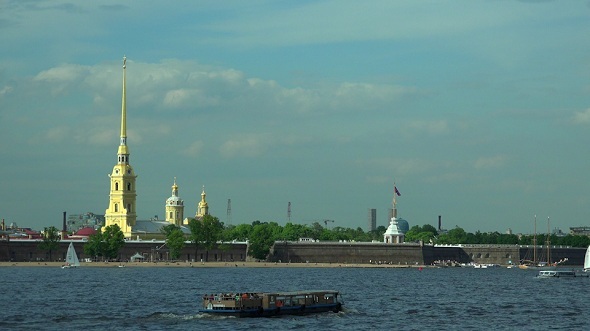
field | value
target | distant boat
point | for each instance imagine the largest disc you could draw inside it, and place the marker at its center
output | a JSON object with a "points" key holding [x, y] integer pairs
{"points": [[71, 258], [587, 260], [560, 273], [541, 265]]}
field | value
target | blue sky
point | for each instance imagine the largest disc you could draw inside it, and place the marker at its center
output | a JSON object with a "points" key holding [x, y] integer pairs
{"points": [[478, 110]]}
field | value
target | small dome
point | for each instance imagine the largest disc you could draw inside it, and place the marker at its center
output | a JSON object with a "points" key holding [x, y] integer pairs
{"points": [[403, 225]]}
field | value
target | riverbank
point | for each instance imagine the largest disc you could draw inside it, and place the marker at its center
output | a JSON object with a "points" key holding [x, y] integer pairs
{"points": [[206, 265]]}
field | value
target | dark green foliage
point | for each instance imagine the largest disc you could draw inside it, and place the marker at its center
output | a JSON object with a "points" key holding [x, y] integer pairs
{"points": [[50, 241], [206, 232], [106, 244], [174, 240]]}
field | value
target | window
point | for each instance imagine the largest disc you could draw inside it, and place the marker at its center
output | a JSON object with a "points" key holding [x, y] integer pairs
{"points": [[128, 186], [128, 207], [116, 186], [116, 207]]}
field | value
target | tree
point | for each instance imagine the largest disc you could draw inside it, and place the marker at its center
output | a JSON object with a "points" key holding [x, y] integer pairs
{"points": [[106, 243], [206, 232], [425, 233], [94, 245], [114, 239], [50, 241], [174, 240], [262, 239]]}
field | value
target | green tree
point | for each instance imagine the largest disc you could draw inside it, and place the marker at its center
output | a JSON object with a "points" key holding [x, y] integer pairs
{"points": [[94, 245], [175, 240], [107, 243], [50, 241], [262, 239], [424, 233], [114, 239], [206, 232]]}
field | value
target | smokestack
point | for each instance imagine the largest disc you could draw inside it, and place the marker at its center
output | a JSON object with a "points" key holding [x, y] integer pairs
{"points": [[439, 223], [63, 228]]}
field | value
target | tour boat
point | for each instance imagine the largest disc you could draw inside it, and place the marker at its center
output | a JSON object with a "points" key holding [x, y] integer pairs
{"points": [[269, 304]]}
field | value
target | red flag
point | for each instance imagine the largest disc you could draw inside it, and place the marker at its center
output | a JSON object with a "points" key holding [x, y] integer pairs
{"points": [[396, 191]]}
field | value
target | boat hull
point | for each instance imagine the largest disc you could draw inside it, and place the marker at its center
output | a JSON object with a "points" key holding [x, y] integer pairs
{"points": [[561, 274], [277, 311]]}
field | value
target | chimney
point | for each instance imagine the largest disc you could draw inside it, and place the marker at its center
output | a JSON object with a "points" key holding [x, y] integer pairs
{"points": [[64, 229], [439, 223]]}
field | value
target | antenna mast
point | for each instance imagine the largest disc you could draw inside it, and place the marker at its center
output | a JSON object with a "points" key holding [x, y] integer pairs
{"points": [[228, 211]]}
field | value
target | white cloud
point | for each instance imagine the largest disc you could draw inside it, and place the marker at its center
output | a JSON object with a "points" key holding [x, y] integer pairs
{"points": [[490, 162], [5, 90], [428, 126], [582, 117], [194, 149], [247, 145]]}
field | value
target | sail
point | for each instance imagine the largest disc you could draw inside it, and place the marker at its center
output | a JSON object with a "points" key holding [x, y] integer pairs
{"points": [[587, 259], [72, 257]]}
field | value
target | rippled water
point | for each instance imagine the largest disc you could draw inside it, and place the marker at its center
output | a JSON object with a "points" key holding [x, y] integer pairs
{"points": [[404, 299]]}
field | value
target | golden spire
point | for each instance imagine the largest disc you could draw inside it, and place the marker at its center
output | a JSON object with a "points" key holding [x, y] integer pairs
{"points": [[123, 152], [175, 188]]}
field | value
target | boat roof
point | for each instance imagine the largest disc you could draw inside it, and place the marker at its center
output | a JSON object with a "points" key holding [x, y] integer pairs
{"points": [[291, 292]]}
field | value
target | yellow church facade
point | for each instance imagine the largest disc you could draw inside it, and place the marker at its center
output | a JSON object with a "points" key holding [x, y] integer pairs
{"points": [[122, 195]]}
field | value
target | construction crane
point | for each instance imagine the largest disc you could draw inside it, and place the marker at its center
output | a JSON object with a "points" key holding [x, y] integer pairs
{"points": [[326, 222]]}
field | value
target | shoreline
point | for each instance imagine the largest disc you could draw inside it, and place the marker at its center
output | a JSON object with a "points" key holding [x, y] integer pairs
{"points": [[163, 264]]}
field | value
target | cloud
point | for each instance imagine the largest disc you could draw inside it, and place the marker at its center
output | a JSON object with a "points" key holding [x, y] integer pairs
{"points": [[429, 127], [490, 162], [5, 90], [582, 117], [194, 149], [246, 145]]}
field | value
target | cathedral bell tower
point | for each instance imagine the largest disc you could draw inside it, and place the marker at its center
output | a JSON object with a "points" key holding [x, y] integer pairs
{"points": [[203, 208], [122, 205], [174, 207]]}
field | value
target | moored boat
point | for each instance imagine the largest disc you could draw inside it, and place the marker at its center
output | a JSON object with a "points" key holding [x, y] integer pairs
{"points": [[560, 273], [587, 260], [269, 304]]}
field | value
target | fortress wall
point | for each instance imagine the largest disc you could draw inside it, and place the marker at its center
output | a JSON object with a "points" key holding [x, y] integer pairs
{"points": [[313, 252], [327, 252], [27, 250]]}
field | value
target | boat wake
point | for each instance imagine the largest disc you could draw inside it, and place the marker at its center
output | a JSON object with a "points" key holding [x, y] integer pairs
{"points": [[197, 316]]}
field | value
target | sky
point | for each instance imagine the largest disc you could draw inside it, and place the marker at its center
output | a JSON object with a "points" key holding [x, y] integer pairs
{"points": [[477, 111]]}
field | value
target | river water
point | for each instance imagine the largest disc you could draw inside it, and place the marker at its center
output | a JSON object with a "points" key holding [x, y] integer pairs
{"points": [[43, 298]]}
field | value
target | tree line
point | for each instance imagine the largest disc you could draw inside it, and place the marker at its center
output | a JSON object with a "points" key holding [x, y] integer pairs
{"points": [[429, 234], [209, 233]]}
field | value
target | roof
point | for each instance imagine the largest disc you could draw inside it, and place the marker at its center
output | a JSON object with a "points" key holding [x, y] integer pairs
{"points": [[87, 232], [154, 227]]}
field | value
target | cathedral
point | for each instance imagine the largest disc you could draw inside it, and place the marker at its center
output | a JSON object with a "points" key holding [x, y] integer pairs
{"points": [[122, 196]]}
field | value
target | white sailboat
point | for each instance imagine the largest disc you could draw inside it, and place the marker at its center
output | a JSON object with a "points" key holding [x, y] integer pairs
{"points": [[587, 260], [71, 258]]}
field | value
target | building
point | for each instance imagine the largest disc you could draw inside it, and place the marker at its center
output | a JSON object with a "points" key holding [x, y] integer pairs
{"points": [[372, 219], [76, 222], [122, 197], [174, 207], [203, 206], [580, 231], [393, 235], [122, 208], [402, 223]]}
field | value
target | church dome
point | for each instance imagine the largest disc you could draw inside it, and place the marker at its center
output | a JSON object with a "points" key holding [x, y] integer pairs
{"points": [[403, 225], [174, 201]]}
